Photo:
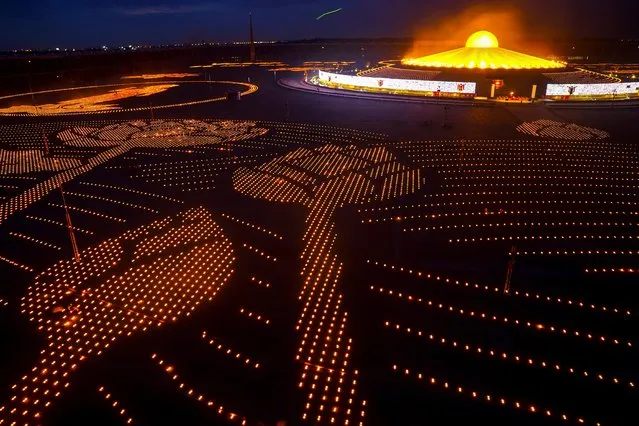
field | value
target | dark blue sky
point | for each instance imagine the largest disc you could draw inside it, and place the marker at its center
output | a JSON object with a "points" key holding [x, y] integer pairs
{"points": [[81, 23]]}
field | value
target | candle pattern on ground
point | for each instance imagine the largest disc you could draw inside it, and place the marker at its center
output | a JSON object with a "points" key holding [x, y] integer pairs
{"points": [[119, 138], [323, 180], [143, 279]]}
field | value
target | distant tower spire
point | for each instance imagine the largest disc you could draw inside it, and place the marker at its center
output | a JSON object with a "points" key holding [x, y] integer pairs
{"points": [[252, 38]]}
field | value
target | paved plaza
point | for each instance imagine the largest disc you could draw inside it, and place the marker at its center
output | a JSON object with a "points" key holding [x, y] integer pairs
{"points": [[307, 258]]}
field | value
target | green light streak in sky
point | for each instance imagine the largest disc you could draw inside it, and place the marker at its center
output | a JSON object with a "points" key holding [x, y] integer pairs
{"points": [[330, 12]]}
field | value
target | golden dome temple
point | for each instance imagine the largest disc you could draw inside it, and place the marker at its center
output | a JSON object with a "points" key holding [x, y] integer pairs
{"points": [[482, 51]]}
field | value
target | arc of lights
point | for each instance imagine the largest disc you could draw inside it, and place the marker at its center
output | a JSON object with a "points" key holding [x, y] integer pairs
{"points": [[488, 398], [173, 266], [250, 88], [122, 137], [323, 180], [522, 360], [88, 104], [504, 321], [220, 410]]}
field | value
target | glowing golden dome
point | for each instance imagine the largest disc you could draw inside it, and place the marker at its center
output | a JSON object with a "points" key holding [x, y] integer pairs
{"points": [[482, 51], [482, 39]]}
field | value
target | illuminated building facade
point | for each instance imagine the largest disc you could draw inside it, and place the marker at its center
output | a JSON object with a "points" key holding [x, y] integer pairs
{"points": [[482, 70]]}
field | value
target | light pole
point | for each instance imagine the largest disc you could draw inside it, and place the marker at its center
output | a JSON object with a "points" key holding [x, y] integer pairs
{"points": [[67, 216], [46, 143], [445, 125], [31, 90]]}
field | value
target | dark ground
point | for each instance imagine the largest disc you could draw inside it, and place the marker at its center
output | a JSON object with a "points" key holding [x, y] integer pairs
{"points": [[510, 183]]}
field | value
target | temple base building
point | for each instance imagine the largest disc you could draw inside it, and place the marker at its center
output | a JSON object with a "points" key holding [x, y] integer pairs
{"points": [[483, 70]]}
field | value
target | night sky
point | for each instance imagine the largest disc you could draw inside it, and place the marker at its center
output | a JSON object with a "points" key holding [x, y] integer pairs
{"points": [[84, 23]]}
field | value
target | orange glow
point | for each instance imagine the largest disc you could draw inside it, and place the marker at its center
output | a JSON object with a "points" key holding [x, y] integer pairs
{"points": [[249, 88], [103, 102], [241, 65], [509, 23], [158, 76], [301, 69]]}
